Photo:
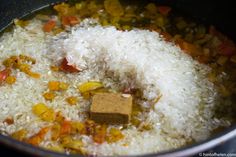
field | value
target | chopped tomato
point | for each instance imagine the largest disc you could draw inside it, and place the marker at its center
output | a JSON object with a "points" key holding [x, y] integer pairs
{"points": [[69, 20], [4, 74], [49, 26], [67, 68], [164, 10]]}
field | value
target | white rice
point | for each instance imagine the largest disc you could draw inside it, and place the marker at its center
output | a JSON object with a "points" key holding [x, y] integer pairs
{"points": [[138, 58]]}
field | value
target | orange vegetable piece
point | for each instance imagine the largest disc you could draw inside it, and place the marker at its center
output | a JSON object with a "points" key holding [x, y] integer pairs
{"points": [[4, 74], [9, 120], [19, 135], [10, 80], [114, 135], [69, 20], [166, 36], [59, 117], [48, 27], [54, 85], [164, 10], [72, 100], [54, 68], [44, 112], [49, 96], [189, 48], [33, 74], [67, 68], [100, 134], [55, 131], [65, 127], [63, 86], [78, 127], [38, 138]]}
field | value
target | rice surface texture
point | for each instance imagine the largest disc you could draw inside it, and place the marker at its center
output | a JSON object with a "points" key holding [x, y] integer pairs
{"points": [[137, 58]]}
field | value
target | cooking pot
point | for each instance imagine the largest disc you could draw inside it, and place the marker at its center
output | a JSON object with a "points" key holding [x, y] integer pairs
{"points": [[218, 13]]}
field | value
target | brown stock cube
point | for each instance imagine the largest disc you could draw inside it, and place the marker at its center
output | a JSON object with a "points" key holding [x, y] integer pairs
{"points": [[111, 108]]}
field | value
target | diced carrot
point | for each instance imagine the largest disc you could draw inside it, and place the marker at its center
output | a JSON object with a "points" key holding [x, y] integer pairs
{"points": [[67, 68], [65, 128], [49, 26], [4, 74], [43, 132], [35, 140], [69, 20], [164, 10], [38, 138]]}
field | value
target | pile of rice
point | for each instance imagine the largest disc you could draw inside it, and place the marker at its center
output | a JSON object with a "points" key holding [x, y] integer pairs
{"points": [[137, 58]]}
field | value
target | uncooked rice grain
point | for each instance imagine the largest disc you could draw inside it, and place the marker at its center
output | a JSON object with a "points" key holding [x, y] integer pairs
{"points": [[138, 58]]}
